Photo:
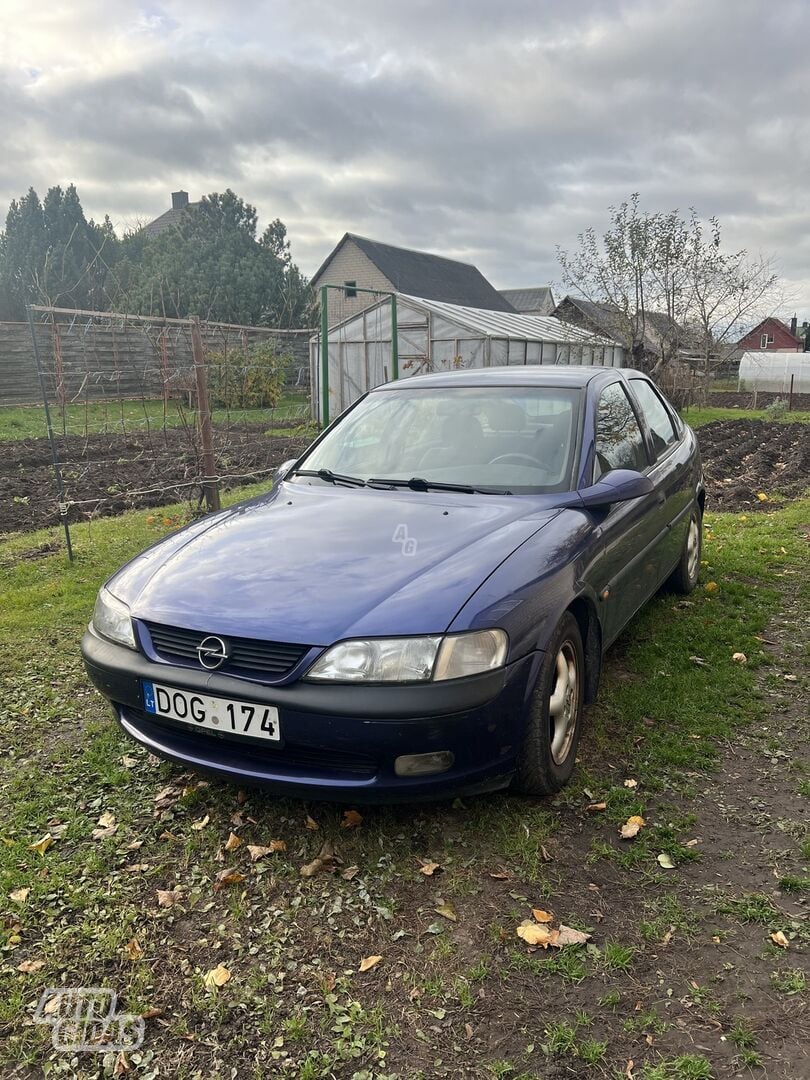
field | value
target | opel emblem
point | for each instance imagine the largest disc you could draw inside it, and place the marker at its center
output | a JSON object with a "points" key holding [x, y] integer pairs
{"points": [[212, 652]]}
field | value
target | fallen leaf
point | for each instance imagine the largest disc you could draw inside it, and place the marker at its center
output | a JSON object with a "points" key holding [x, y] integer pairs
{"points": [[790, 678], [350, 872], [19, 896], [257, 851], [28, 967], [596, 807], [311, 824], [447, 911], [665, 861], [429, 868], [324, 862], [468, 1030], [133, 950], [135, 845], [169, 897], [233, 842], [631, 827], [217, 976], [137, 868], [351, 819], [699, 661], [129, 762], [500, 875], [628, 1072], [226, 877], [566, 935], [152, 1014], [691, 843], [42, 844], [711, 586], [534, 934], [369, 962], [739, 658], [779, 939], [168, 796], [665, 940], [762, 496], [545, 856], [542, 916], [121, 1066], [201, 823], [631, 784]]}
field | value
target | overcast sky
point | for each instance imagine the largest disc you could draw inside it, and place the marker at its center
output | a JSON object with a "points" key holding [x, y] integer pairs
{"points": [[487, 131]]}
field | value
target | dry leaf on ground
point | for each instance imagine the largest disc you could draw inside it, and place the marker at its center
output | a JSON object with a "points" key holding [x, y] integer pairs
{"points": [[42, 844], [596, 807], [566, 935], [542, 916], [233, 842], [535, 934], [352, 819], [133, 950], [447, 911], [200, 825], [324, 862], [28, 967], [630, 783], [169, 897], [631, 827], [665, 861], [311, 824], [779, 939], [217, 976], [429, 868], [226, 877], [369, 962], [19, 896], [258, 851], [739, 658]]}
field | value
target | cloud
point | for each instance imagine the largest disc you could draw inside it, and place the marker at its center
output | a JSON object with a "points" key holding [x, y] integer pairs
{"points": [[487, 132]]}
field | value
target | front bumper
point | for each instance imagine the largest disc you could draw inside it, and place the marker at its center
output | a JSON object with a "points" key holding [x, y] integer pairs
{"points": [[340, 742]]}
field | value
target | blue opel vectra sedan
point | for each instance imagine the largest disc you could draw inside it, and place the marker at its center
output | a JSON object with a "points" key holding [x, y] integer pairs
{"points": [[421, 605]]}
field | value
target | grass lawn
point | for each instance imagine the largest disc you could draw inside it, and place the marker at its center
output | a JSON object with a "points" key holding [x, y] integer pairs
{"points": [[101, 418], [698, 417], [120, 871]]}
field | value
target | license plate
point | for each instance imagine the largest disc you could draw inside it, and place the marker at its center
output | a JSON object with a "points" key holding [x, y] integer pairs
{"points": [[213, 713]]}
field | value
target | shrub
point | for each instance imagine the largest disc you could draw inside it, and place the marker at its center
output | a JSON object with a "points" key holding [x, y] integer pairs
{"points": [[252, 379], [777, 409]]}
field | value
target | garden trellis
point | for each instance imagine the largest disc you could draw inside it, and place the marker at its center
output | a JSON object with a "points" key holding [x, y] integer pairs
{"points": [[143, 411]]}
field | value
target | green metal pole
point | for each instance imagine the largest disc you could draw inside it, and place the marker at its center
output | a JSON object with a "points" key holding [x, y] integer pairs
{"points": [[394, 337], [324, 356]]}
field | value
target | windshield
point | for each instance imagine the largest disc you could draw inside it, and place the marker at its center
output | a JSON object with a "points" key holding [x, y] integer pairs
{"points": [[498, 438]]}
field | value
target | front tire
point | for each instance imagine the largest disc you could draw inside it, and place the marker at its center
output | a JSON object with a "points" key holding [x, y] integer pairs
{"points": [[547, 756], [685, 575]]}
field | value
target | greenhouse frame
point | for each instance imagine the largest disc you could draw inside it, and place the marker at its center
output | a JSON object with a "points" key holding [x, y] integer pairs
{"points": [[435, 336]]}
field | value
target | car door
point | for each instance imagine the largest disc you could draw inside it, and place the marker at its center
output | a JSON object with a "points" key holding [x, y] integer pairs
{"points": [[670, 472], [624, 573]]}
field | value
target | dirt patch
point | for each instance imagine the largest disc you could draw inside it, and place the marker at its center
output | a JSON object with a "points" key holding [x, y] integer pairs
{"points": [[106, 474], [734, 399], [743, 458]]}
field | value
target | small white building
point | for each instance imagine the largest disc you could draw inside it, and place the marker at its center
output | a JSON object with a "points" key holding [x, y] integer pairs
{"points": [[772, 371], [435, 336]]}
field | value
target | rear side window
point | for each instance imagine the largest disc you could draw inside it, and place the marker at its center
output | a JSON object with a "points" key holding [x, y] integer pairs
{"points": [[619, 442], [655, 413]]}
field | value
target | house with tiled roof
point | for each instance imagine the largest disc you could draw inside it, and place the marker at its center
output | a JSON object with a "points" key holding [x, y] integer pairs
{"points": [[662, 335], [170, 218], [359, 263], [538, 300]]}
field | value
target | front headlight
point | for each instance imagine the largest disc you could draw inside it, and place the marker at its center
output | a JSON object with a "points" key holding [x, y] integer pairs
{"points": [[400, 660], [111, 619]]}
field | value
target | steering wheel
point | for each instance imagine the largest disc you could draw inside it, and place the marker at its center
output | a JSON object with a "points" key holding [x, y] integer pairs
{"points": [[517, 459]]}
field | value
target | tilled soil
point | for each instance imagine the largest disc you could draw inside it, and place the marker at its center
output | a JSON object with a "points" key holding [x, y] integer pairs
{"points": [[746, 399], [743, 459], [106, 474]]}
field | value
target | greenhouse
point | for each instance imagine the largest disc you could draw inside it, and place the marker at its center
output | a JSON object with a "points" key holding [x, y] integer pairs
{"points": [[434, 336], [775, 372]]}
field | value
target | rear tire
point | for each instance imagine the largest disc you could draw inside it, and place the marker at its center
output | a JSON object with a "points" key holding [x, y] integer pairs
{"points": [[685, 575], [547, 756]]}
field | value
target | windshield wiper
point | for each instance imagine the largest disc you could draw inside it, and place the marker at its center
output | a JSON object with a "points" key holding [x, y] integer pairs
{"points": [[416, 483], [331, 477]]}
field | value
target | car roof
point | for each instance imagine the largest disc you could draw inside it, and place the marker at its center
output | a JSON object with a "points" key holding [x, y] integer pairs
{"points": [[574, 375]]}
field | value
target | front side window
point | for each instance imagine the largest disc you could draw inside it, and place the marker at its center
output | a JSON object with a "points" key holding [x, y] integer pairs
{"points": [[517, 439], [619, 442], [655, 413]]}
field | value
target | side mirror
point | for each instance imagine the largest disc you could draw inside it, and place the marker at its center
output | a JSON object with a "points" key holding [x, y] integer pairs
{"points": [[619, 485], [283, 470]]}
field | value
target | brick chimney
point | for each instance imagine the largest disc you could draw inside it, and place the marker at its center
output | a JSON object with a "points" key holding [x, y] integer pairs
{"points": [[180, 199], [793, 325]]}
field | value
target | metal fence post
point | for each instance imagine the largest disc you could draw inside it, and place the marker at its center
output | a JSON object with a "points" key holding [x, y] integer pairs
{"points": [[324, 356], [394, 337], [210, 479], [60, 484]]}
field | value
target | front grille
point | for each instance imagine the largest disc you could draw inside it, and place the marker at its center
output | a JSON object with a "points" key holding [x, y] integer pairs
{"points": [[248, 655]]}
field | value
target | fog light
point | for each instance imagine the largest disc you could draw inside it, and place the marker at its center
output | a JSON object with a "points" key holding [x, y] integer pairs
{"points": [[424, 764]]}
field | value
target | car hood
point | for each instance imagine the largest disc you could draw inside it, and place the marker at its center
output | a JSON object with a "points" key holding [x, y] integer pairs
{"points": [[312, 564]]}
